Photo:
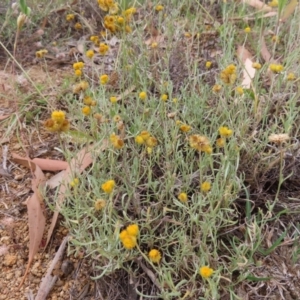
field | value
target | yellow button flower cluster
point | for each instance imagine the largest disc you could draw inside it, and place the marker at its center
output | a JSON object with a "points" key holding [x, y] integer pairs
{"points": [[129, 235]]}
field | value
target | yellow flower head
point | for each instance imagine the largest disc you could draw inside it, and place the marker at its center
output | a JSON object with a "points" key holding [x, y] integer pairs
{"points": [[58, 116], [129, 242], [78, 65], [108, 5], [143, 95], [154, 45], [86, 110], [247, 30], [273, 3], [183, 197], [103, 48], [89, 54], [291, 77], [239, 90], [116, 141], [228, 75], [225, 131], [78, 73], [151, 142], [113, 99], [139, 140], [154, 256], [94, 39], [99, 204], [108, 186], [74, 182], [145, 135], [256, 65], [104, 79], [200, 143], [117, 118], [133, 229], [275, 68], [220, 142], [78, 26], [185, 128], [206, 271], [70, 17], [159, 8], [87, 100], [216, 88], [41, 53], [208, 64], [164, 97], [205, 186]]}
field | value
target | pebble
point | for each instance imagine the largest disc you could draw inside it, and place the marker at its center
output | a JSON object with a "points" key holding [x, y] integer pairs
{"points": [[10, 260]]}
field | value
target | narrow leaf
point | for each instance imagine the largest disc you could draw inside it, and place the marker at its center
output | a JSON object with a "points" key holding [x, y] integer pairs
{"points": [[289, 9]]}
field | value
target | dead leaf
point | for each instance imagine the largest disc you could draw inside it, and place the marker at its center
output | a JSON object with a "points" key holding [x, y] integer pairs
{"points": [[36, 218], [248, 71], [3, 117], [258, 4], [77, 165], [55, 180], [289, 9], [48, 281], [266, 55], [50, 164]]}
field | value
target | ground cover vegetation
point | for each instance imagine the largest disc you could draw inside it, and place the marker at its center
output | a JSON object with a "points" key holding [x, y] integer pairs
{"points": [[190, 113]]}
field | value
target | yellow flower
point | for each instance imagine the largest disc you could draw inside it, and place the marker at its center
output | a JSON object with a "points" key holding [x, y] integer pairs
{"points": [[220, 142], [228, 75], [103, 48], [113, 99], [154, 45], [86, 110], [175, 100], [87, 100], [143, 95], [108, 5], [206, 271], [89, 54], [104, 79], [276, 68], [129, 242], [78, 26], [145, 135], [58, 116], [183, 197], [225, 131], [99, 204], [70, 17], [74, 182], [200, 143], [208, 64], [216, 88], [78, 65], [83, 85], [273, 3], [139, 140], [117, 118], [291, 77], [41, 53], [151, 142], [275, 39], [164, 97], [256, 65], [239, 90], [78, 73], [185, 128], [187, 34], [108, 186], [154, 256], [116, 141], [129, 12], [133, 229], [94, 39], [247, 30], [205, 186], [159, 8], [149, 150]]}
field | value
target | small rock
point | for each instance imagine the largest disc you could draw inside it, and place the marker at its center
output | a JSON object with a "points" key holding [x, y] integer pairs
{"points": [[10, 260], [9, 276]]}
